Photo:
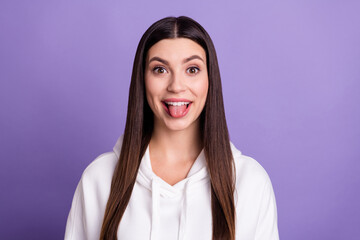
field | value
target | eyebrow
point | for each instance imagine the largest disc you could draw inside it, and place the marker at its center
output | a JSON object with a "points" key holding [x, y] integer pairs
{"points": [[159, 60], [185, 60], [193, 57]]}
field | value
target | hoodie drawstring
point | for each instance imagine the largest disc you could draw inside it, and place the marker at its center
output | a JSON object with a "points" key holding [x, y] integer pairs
{"points": [[155, 209], [184, 213]]}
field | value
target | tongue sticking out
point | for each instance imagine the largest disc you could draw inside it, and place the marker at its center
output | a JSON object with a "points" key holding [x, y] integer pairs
{"points": [[177, 111]]}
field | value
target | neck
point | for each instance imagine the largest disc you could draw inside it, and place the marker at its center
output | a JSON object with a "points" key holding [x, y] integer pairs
{"points": [[174, 146]]}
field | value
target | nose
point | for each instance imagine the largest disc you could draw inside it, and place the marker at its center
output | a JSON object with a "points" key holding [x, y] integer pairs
{"points": [[176, 83]]}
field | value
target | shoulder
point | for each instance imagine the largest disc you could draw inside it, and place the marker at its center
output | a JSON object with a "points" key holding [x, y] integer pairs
{"points": [[256, 212], [248, 171], [95, 182], [90, 198], [103, 164], [102, 168]]}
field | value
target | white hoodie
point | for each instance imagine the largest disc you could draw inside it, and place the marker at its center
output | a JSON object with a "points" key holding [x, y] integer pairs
{"points": [[159, 211]]}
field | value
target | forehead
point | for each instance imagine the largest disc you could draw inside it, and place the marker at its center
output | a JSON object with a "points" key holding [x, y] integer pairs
{"points": [[176, 49]]}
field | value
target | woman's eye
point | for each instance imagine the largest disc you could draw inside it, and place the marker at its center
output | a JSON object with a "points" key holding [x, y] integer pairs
{"points": [[159, 70], [193, 70]]}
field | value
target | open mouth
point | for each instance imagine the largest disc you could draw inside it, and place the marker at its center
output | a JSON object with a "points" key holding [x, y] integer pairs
{"points": [[176, 109]]}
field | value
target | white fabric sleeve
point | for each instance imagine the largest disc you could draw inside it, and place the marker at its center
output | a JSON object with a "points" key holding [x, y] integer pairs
{"points": [[75, 228], [267, 228]]}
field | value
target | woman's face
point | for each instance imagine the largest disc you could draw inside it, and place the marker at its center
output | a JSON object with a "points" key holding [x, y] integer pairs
{"points": [[176, 82]]}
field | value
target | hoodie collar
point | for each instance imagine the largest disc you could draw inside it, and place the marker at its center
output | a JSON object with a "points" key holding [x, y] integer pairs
{"points": [[198, 173]]}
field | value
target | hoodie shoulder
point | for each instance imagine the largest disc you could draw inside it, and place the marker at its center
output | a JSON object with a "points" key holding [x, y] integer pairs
{"points": [[90, 198], [254, 199], [247, 168], [104, 165]]}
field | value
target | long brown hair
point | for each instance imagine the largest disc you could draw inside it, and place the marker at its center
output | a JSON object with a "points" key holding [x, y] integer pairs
{"points": [[139, 127]]}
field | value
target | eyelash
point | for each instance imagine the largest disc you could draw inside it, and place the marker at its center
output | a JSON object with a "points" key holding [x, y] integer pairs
{"points": [[155, 70]]}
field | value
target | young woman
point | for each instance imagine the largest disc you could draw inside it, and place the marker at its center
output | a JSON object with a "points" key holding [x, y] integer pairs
{"points": [[174, 174]]}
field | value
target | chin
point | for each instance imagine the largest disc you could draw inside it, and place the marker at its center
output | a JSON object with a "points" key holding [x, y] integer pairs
{"points": [[171, 124], [177, 126]]}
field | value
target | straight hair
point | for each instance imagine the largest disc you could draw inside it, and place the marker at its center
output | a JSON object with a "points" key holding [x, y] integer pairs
{"points": [[139, 127]]}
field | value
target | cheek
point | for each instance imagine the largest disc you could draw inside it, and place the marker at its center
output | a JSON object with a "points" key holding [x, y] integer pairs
{"points": [[201, 88], [152, 88]]}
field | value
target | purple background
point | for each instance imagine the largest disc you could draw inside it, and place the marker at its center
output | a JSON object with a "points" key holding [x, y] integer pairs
{"points": [[290, 72]]}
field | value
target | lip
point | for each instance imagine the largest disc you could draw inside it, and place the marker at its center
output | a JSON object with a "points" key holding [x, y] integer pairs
{"points": [[176, 100]]}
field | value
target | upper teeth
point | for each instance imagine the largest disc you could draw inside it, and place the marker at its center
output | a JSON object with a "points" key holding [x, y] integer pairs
{"points": [[177, 103]]}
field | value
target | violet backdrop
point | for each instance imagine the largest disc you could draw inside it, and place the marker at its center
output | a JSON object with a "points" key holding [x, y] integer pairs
{"points": [[291, 83]]}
